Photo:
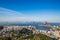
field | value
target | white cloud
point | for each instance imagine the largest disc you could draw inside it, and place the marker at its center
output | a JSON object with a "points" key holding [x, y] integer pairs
{"points": [[19, 19], [13, 16], [7, 15], [7, 12]]}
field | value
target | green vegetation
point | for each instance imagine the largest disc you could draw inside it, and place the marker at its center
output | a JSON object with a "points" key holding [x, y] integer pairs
{"points": [[33, 37], [25, 34], [37, 37], [5, 38]]}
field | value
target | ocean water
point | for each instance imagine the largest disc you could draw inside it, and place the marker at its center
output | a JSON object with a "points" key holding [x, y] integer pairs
{"points": [[43, 28], [36, 24]]}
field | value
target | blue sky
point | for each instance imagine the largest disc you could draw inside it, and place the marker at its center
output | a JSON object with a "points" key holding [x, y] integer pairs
{"points": [[30, 10]]}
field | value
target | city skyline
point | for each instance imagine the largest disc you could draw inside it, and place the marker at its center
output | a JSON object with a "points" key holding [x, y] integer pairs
{"points": [[29, 10]]}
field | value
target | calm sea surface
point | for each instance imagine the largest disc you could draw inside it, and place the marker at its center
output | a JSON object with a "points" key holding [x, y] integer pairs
{"points": [[37, 26]]}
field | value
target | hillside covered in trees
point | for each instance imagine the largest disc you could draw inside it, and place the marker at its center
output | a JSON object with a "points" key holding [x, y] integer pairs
{"points": [[25, 34]]}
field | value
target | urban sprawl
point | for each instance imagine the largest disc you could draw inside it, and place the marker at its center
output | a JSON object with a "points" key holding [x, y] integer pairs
{"points": [[54, 32]]}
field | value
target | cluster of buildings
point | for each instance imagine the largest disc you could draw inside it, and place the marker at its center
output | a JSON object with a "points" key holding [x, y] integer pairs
{"points": [[53, 33], [8, 30]]}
